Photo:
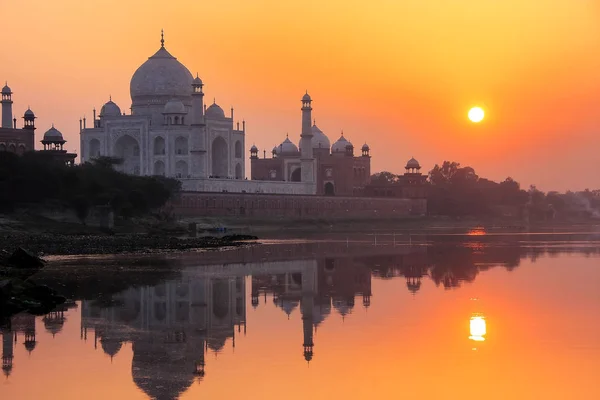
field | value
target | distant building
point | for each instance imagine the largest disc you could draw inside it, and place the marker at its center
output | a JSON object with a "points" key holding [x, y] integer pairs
{"points": [[13, 139], [53, 143], [338, 170], [411, 185]]}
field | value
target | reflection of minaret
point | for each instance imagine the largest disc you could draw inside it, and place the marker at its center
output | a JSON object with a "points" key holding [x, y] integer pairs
{"points": [[307, 324], [30, 341], [200, 364], [7, 351]]}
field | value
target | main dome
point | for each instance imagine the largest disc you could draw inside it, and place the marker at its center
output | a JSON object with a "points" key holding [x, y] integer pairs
{"points": [[159, 79]]}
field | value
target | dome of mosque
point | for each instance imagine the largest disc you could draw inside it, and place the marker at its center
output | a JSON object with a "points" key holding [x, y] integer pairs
{"points": [[197, 81], [319, 139], [53, 135], [53, 323], [412, 163], [321, 312], [287, 147], [215, 112], [110, 109], [6, 89], [340, 145], [110, 346], [306, 97], [343, 306], [365, 147], [174, 106], [254, 149], [159, 77], [29, 113]]}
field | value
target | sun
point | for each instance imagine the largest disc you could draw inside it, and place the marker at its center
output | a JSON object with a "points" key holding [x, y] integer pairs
{"points": [[476, 114]]}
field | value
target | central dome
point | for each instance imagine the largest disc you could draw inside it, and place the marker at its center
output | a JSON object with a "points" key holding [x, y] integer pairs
{"points": [[159, 79]]}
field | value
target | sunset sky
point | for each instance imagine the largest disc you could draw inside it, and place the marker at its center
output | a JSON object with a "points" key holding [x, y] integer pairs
{"points": [[400, 75]]}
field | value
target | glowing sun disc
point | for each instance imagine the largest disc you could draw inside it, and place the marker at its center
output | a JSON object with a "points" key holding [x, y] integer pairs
{"points": [[476, 114]]}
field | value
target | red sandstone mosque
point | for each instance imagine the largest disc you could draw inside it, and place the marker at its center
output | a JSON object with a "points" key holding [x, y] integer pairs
{"points": [[21, 140]]}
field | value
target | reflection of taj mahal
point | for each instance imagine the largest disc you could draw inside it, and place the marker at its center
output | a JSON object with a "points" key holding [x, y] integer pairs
{"points": [[173, 325]]}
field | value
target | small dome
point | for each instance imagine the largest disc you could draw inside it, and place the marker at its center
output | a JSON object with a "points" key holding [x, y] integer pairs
{"points": [[287, 147], [6, 89], [29, 113], [365, 147], [254, 149], [174, 106], [412, 163], [110, 109], [215, 112], [340, 145], [275, 150], [306, 97], [53, 135], [197, 81]]}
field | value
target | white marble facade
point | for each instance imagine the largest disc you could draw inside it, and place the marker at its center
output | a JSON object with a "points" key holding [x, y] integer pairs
{"points": [[170, 131]]}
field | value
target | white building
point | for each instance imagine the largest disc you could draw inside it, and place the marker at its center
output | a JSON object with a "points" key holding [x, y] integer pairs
{"points": [[171, 132]]}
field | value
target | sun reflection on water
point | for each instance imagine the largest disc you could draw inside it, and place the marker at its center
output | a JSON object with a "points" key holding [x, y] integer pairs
{"points": [[477, 328]]}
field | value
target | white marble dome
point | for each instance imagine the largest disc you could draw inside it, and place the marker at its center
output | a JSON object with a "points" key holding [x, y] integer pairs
{"points": [[6, 89], [287, 147], [174, 106], [110, 109], [159, 77], [215, 112], [340, 145], [254, 149], [365, 147], [29, 113], [53, 135], [306, 97]]}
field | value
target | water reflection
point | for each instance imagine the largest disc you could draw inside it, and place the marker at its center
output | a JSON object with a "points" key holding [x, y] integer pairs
{"points": [[197, 308], [477, 328]]}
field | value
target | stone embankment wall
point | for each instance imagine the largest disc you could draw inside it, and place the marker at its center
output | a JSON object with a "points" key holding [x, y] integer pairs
{"points": [[193, 204]]}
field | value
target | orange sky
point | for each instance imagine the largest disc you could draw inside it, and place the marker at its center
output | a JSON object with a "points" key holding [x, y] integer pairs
{"points": [[398, 74]]}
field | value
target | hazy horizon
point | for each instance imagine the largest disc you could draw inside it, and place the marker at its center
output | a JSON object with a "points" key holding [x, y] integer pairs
{"points": [[398, 75]]}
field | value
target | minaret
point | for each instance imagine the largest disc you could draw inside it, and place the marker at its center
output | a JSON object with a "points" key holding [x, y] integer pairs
{"points": [[7, 351], [7, 118], [306, 154], [307, 324], [197, 101], [198, 134]]}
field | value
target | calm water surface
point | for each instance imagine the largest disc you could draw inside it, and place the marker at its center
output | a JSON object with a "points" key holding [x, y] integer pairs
{"points": [[477, 317]]}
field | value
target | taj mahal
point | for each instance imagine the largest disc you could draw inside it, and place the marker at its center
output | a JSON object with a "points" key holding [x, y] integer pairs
{"points": [[171, 132]]}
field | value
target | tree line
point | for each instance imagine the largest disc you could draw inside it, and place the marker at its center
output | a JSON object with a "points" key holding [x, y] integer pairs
{"points": [[457, 191], [36, 178]]}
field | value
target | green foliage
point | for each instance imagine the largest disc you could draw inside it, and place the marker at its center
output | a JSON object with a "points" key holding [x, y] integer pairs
{"points": [[36, 179]]}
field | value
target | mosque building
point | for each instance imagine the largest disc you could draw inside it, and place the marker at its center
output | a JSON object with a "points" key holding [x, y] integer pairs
{"points": [[13, 139], [171, 132], [21, 140]]}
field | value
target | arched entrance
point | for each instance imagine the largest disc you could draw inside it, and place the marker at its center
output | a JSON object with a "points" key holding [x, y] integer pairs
{"points": [[181, 169], [159, 146], [159, 168], [128, 149], [296, 175], [220, 158], [329, 189], [94, 148], [238, 171]]}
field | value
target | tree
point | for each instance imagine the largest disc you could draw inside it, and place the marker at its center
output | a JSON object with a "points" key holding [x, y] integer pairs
{"points": [[384, 178]]}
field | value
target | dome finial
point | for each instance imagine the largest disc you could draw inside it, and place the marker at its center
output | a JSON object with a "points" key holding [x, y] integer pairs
{"points": [[110, 97], [214, 100], [162, 38]]}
